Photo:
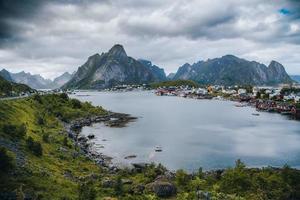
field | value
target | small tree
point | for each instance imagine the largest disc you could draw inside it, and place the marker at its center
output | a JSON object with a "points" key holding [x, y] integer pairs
{"points": [[64, 96], [34, 146], [46, 137], [119, 186]]}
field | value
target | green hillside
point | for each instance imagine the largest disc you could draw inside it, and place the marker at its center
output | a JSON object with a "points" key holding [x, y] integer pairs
{"points": [[8, 89]]}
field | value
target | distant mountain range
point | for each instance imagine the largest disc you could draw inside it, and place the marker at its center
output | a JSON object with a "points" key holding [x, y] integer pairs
{"points": [[112, 68], [295, 78], [35, 81], [231, 70], [115, 67]]}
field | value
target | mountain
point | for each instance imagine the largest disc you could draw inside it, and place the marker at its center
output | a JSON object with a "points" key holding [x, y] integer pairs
{"points": [[111, 68], [158, 72], [231, 70], [8, 88], [62, 79], [6, 75], [171, 76], [296, 78], [34, 81]]}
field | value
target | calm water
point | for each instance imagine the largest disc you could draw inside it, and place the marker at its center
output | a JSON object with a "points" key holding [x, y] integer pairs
{"points": [[193, 133]]}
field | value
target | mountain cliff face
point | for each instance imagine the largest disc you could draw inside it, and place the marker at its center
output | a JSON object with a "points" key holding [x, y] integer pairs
{"points": [[6, 75], [62, 79], [158, 72], [231, 70], [111, 68]]}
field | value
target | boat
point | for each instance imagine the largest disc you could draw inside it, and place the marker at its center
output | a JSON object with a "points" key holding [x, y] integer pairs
{"points": [[240, 105], [158, 149], [255, 114]]}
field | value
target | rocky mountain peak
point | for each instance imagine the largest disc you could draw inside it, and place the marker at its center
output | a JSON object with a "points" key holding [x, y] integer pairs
{"points": [[118, 52], [6, 75]]}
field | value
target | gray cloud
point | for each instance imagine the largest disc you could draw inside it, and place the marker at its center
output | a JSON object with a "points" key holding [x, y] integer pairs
{"points": [[50, 37]]}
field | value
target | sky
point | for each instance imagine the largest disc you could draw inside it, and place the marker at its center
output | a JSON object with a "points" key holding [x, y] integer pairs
{"points": [[55, 36]]}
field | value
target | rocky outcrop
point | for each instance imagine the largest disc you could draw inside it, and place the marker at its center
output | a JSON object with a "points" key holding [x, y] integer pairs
{"points": [[163, 189], [109, 69], [231, 70]]}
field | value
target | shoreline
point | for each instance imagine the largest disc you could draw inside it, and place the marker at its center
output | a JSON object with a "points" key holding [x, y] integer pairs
{"points": [[112, 119]]}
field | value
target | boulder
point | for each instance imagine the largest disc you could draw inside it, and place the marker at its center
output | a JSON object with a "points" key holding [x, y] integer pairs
{"points": [[162, 188], [91, 136], [138, 189], [127, 181]]}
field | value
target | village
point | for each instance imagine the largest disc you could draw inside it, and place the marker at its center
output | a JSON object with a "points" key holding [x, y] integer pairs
{"points": [[284, 99]]}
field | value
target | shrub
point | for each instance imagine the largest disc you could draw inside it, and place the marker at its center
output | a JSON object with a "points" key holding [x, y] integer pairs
{"points": [[46, 137], [65, 141], [64, 96], [40, 120], [76, 103], [34, 146], [236, 180], [6, 161], [86, 191], [37, 98], [15, 130], [119, 186]]}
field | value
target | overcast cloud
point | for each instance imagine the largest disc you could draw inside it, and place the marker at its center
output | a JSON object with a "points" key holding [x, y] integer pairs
{"points": [[51, 37]]}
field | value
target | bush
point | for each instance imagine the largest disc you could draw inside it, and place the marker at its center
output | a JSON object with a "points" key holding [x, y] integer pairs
{"points": [[37, 98], [64, 96], [40, 120], [236, 180], [119, 186], [6, 162], [76, 103], [65, 141], [46, 137], [86, 191], [15, 130], [34, 146]]}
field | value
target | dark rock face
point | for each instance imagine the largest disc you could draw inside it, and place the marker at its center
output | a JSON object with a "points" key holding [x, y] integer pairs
{"points": [[158, 72], [162, 189], [6, 75], [109, 69], [230, 70]]}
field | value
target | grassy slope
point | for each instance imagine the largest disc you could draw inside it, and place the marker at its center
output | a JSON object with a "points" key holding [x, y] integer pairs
{"points": [[47, 171]]}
